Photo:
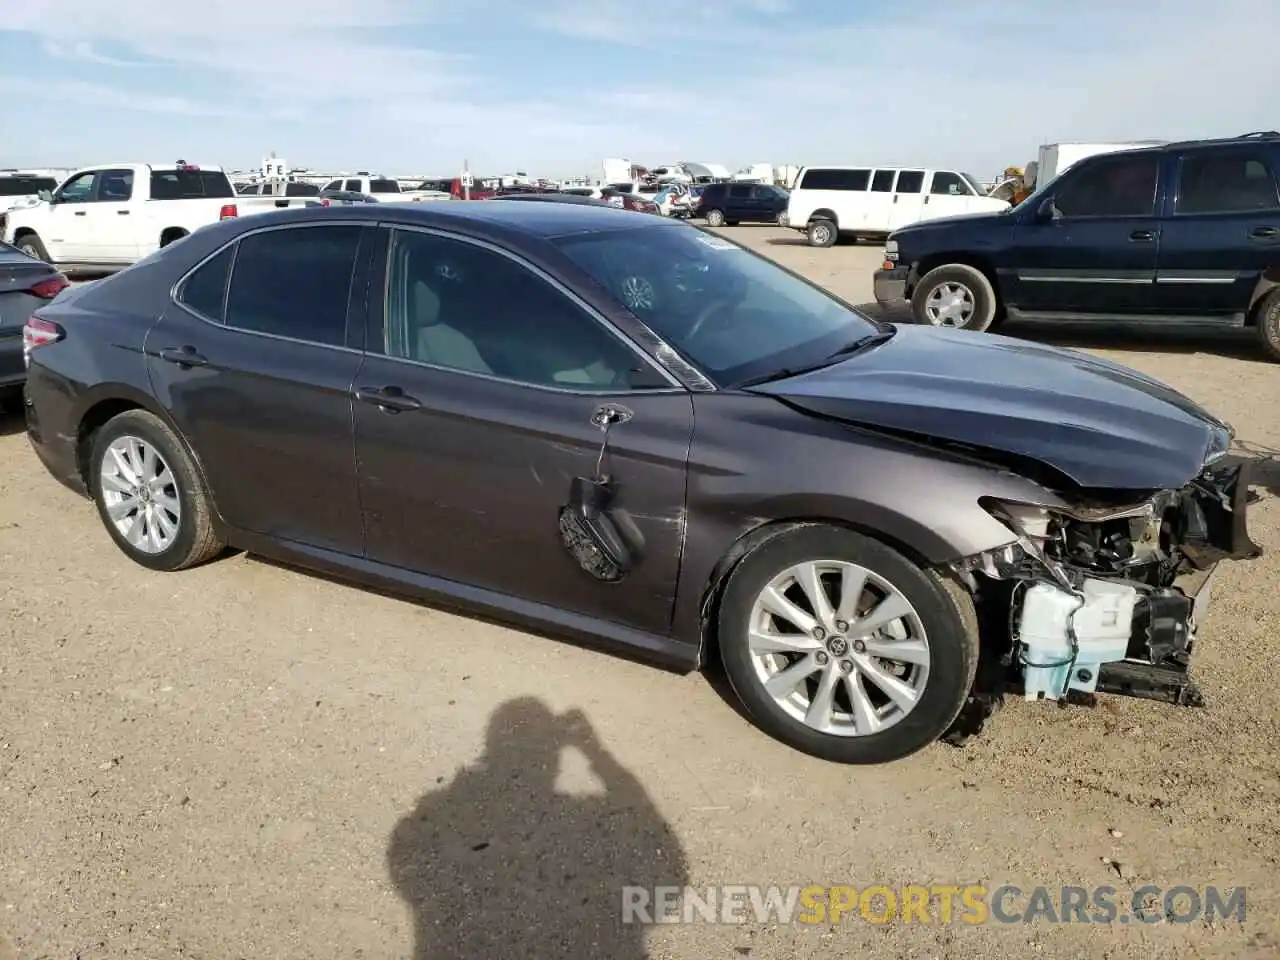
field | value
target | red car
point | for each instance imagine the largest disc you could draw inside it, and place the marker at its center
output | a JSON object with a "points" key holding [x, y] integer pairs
{"points": [[629, 201], [454, 189]]}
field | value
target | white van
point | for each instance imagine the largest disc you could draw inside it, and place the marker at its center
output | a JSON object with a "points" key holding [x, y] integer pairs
{"points": [[828, 202]]}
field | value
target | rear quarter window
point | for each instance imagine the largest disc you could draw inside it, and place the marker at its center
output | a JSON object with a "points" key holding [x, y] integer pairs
{"points": [[384, 186]]}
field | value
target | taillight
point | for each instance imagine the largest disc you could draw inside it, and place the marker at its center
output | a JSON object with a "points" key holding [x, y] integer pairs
{"points": [[50, 288], [39, 333], [229, 211], [324, 202]]}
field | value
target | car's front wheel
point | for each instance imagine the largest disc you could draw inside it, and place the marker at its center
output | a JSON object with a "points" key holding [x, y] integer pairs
{"points": [[955, 295], [150, 495], [841, 647]]}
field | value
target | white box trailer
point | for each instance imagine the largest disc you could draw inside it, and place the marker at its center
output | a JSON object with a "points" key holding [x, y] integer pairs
{"points": [[1057, 157]]}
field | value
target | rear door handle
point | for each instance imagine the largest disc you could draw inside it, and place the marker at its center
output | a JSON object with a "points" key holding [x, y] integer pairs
{"points": [[122, 213], [1142, 236], [185, 357], [1264, 233], [389, 399], [79, 213]]}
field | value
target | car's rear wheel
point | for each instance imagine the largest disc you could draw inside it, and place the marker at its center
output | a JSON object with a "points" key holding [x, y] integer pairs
{"points": [[955, 295], [150, 495], [32, 246], [715, 218], [822, 233], [842, 648], [1268, 327]]}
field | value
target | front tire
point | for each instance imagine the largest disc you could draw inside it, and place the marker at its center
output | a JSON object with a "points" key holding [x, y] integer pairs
{"points": [[842, 648], [149, 494], [32, 246], [955, 295], [715, 218]]}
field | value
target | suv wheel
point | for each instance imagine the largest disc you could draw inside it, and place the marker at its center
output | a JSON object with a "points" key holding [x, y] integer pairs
{"points": [[843, 648], [714, 218], [149, 494], [32, 247], [957, 296], [822, 233], [1268, 328]]}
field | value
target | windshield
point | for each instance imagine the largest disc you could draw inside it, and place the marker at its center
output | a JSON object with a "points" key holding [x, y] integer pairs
{"points": [[736, 314], [384, 186], [975, 184]]}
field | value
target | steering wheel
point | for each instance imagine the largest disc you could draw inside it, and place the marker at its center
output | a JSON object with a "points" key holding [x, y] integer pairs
{"points": [[718, 305]]}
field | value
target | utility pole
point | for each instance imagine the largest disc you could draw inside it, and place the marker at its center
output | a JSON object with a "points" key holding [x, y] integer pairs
{"points": [[466, 180]]}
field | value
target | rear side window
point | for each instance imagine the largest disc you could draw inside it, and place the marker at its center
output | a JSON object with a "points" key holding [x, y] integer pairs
{"points": [[190, 185], [835, 180], [353, 186], [882, 182], [384, 186], [205, 291], [740, 192], [294, 282], [910, 181], [1234, 182], [301, 190]]}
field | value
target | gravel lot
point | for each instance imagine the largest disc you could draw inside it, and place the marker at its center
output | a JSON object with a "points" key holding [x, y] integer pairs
{"points": [[247, 761]]}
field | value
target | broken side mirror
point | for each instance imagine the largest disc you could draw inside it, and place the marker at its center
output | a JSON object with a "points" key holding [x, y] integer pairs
{"points": [[597, 533]]}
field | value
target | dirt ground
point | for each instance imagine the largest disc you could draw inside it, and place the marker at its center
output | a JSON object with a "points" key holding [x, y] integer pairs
{"points": [[243, 761]]}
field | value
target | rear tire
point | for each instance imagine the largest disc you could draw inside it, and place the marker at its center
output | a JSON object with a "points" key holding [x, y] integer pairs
{"points": [[1268, 325], [822, 233], [902, 705], [149, 494], [957, 296], [714, 218], [32, 246]]}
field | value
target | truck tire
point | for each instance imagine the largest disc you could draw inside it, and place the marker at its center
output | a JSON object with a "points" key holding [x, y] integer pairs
{"points": [[1268, 325], [955, 295], [822, 232], [32, 247]]}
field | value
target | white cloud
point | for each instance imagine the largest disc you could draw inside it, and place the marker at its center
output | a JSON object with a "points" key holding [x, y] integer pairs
{"points": [[978, 84]]}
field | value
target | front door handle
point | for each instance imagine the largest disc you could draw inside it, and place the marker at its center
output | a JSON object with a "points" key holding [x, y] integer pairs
{"points": [[1264, 233], [185, 356], [122, 213], [79, 213], [389, 399], [607, 414], [1142, 236]]}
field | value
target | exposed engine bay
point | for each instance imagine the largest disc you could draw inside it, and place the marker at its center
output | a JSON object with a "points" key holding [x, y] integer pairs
{"points": [[1105, 598]]}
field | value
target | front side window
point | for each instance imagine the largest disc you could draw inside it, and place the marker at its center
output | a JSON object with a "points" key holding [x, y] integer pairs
{"points": [[78, 190], [294, 282], [735, 314], [947, 184], [1226, 182], [1121, 187], [468, 308]]}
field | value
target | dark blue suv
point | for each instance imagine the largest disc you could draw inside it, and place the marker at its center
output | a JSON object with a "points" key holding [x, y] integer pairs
{"points": [[734, 203], [1178, 233]]}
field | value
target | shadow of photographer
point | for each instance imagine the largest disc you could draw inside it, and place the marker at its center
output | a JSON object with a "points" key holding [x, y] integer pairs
{"points": [[500, 864]]}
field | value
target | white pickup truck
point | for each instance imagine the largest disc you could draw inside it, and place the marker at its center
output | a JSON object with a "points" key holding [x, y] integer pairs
{"points": [[384, 189], [107, 217]]}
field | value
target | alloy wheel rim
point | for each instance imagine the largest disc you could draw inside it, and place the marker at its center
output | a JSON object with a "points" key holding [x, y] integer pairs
{"points": [[822, 233], [838, 648], [140, 494], [949, 305], [637, 293]]}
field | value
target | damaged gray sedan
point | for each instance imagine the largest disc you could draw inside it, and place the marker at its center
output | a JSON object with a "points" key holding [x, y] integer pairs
{"points": [[627, 431]]}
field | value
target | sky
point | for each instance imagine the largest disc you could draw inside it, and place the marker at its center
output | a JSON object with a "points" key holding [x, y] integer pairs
{"points": [[553, 87]]}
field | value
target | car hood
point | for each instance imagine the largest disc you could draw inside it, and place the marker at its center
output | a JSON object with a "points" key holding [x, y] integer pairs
{"points": [[946, 223], [1100, 424]]}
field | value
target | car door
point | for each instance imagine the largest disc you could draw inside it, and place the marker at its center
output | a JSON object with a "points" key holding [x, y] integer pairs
{"points": [[877, 201], [1090, 249], [739, 204], [946, 195], [71, 220], [478, 402], [255, 361], [115, 229], [1221, 232], [907, 205]]}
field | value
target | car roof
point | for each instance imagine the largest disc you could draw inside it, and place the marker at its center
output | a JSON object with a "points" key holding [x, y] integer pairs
{"points": [[494, 219]]}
